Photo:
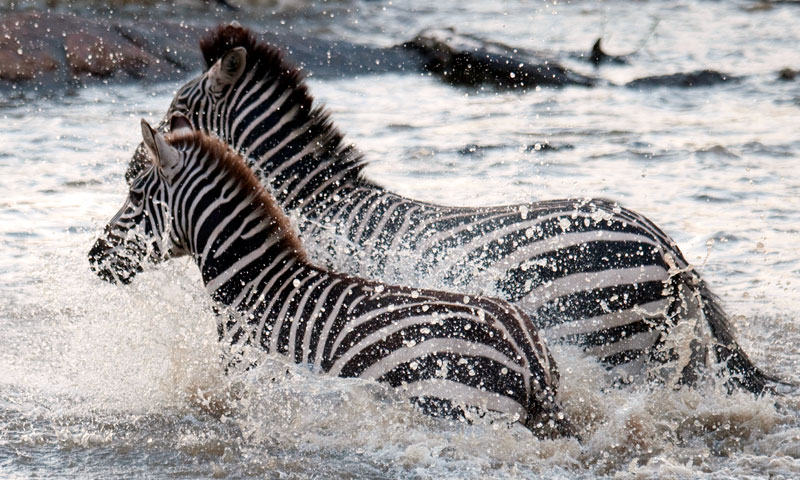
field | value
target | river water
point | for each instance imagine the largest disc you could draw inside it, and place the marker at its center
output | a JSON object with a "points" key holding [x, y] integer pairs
{"points": [[99, 381]]}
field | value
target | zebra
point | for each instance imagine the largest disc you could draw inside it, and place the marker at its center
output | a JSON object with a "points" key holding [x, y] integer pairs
{"points": [[448, 352], [588, 271]]}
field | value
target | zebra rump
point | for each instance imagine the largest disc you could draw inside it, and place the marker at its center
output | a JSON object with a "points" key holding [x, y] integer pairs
{"points": [[448, 352], [588, 271]]}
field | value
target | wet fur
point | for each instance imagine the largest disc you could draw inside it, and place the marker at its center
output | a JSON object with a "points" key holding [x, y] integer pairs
{"points": [[270, 62], [235, 166]]}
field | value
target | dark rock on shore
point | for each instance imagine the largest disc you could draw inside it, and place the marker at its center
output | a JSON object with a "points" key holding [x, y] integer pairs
{"points": [[44, 52], [50, 51], [701, 78], [466, 60]]}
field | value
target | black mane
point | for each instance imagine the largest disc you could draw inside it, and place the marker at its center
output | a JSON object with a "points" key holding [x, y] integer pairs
{"points": [[269, 62]]}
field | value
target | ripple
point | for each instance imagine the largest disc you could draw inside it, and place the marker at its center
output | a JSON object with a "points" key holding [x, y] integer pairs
{"points": [[716, 151], [777, 151], [711, 198], [82, 183]]}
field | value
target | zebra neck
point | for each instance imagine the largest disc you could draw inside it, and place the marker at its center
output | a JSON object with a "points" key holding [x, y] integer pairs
{"points": [[305, 191], [291, 145], [240, 247]]}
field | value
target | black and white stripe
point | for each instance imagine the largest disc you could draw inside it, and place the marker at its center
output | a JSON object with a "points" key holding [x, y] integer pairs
{"points": [[446, 351], [588, 271]]}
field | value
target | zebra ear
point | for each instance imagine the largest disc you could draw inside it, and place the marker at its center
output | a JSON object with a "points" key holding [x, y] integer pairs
{"points": [[149, 138], [178, 123], [166, 158], [228, 69]]}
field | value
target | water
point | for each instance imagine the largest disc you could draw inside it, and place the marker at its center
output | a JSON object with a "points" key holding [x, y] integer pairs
{"points": [[99, 381]]}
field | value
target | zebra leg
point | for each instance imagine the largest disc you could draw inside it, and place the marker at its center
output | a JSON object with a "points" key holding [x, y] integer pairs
{"points": [[546, 420]]}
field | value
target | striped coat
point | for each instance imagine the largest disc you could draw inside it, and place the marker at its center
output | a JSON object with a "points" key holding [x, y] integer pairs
{"points": [[446, 351], [587, 271]]}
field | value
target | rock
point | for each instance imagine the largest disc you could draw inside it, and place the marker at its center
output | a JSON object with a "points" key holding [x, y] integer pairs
{"points": [[175, 45], [467, 60], [788, 74], [54, 50], [17, 64], [49, 51], [701, 78], [45, 51], [24, 51], [545, 146], [104, 55], [325, 58]]}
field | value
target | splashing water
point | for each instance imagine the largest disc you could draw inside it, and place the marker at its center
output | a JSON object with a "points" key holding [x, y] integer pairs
{"points": [[97, 379]]}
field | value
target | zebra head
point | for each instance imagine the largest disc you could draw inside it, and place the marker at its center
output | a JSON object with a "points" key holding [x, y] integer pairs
{"points": [[197, 97], [144, 228]]}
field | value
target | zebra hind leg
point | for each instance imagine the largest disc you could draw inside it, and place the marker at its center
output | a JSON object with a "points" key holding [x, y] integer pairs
{"points": [[549, 422]]}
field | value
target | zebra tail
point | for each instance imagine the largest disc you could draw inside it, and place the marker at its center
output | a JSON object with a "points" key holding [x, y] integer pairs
{"points": [[744, 374]]}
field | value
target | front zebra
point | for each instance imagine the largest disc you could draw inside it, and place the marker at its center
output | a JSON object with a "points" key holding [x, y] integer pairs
{"points": [[443, 350], [588, 271]]}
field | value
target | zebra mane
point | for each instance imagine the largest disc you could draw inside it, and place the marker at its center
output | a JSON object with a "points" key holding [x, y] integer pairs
{"points": [[270, 63], [235, 166]]}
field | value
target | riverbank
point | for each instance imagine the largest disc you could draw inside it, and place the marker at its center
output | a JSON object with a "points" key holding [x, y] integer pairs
{"points": [[53, 52], [56, 52]]}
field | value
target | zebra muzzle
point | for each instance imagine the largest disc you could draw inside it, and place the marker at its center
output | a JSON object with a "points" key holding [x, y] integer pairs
{"points": [[109, 264]]}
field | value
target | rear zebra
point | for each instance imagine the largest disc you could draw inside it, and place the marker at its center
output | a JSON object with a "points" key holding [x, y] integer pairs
{"points": [[447, 352], [587, 271]]}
